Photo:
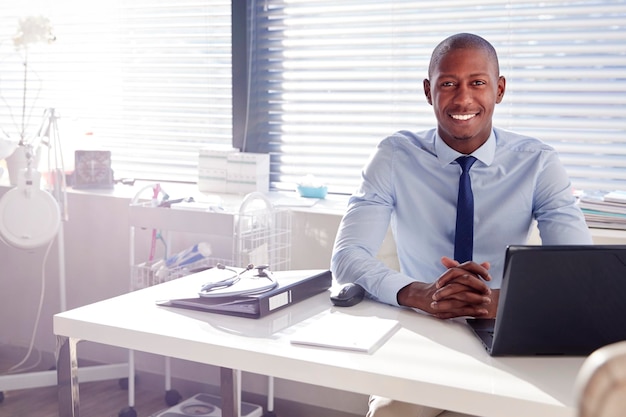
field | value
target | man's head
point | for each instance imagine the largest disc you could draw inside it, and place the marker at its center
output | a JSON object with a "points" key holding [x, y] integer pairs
{"points": [[463, 86]]}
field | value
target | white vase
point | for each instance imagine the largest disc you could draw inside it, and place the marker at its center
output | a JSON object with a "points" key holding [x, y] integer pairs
{"points": [[7, 147]]}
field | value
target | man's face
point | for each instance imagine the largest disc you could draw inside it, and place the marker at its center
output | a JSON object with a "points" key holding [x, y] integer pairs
{"points": [[463, 90]]}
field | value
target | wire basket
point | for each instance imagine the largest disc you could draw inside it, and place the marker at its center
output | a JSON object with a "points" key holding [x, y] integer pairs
{"points": [[255, 234], [263, 237], [151, 273]]}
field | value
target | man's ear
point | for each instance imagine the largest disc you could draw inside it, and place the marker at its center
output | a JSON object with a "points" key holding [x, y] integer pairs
{"points": [[501, 89], [427, 91]]}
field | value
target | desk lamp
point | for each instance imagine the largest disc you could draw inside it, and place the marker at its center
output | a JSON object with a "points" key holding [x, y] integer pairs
{"points": [[31, 217]]}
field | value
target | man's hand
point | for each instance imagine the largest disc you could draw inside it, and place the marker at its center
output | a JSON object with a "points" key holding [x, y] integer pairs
{"points": [[460, 291]]}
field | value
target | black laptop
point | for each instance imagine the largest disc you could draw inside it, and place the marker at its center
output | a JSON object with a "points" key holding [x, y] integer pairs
{"points": [[558, 300]]}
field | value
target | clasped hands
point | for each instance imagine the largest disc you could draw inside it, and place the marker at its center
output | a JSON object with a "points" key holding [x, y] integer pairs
{"points": [[460, 291]]}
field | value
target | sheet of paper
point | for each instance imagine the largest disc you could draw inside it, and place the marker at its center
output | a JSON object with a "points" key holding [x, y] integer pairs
{"points": [[344, 331]]}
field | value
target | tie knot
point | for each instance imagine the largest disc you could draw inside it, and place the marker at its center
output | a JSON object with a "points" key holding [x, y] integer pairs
{"points": [[466, 162]]}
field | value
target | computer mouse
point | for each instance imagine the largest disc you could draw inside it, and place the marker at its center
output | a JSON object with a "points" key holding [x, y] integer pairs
{"points": [[348, 295]]}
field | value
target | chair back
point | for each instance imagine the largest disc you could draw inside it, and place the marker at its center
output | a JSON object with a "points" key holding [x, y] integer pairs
{"points": [[601, 383]]}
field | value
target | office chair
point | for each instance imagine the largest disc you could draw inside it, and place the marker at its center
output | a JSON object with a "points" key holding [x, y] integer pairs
{"points": [[601, 383]]}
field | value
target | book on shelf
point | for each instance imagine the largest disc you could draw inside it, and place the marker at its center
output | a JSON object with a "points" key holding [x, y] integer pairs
{"points": [[606, 225], [604, 209], [598, 201], [617, 196], [603, 220]]}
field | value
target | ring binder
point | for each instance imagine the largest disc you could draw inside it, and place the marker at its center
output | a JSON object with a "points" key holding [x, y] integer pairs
{"points": [[293, 286]]}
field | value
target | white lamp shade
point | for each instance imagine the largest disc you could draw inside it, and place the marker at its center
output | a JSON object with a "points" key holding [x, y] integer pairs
{"points": [[29, 217]]}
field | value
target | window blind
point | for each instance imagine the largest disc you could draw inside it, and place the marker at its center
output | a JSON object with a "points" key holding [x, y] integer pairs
{"points": [[149, 80], [331, 79]]}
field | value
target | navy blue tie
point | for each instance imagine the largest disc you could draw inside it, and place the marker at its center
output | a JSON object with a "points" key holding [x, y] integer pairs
{"points": [[464, 235]]}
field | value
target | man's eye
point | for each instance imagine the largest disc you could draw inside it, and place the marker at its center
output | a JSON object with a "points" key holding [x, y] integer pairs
{"points": [[479, 82], [447, 84]]}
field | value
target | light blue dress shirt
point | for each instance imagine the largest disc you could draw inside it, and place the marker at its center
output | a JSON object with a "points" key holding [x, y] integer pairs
{"points": [[411, 182]]}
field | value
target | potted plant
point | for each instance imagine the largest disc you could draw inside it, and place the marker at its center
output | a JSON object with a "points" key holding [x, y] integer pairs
{"points": [[17, 148]]}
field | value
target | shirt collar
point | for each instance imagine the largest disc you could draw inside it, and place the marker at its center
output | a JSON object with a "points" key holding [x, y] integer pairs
{"points": [[484, 154]]}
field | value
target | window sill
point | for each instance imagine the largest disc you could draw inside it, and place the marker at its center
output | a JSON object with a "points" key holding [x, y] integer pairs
{"points": [[333, 204]]}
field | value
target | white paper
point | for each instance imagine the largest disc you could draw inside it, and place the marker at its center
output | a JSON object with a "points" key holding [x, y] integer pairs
{"points": [[343, 331], [617, 196]]}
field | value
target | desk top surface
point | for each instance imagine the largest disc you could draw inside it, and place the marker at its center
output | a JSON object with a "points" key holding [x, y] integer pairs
{"points": [[428, 361]]}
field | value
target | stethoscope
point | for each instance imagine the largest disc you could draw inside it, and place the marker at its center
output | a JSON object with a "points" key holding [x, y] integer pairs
{"points": [[263, 271]]}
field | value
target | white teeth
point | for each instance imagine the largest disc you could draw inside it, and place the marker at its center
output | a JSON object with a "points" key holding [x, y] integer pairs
{"points": [[463, 116]]}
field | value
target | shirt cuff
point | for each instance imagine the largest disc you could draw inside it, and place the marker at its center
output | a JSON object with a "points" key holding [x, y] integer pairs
{"points": [[393, 284]]}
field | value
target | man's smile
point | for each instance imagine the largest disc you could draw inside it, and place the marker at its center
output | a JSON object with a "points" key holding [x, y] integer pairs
{"points": [[463, 116]]}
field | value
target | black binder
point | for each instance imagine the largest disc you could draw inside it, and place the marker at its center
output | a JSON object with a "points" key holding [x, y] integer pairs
{"points": [[293, 286]]}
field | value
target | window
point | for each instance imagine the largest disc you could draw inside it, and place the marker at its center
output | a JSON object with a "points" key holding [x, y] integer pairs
{"points": [[151, 80], [148, 79], [332, 78]]}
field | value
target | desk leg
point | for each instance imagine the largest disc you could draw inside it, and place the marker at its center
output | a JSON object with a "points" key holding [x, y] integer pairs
{"points": [[67, 376], [230, 393]]}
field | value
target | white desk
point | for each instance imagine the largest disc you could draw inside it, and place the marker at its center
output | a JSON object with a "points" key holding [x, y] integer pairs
{"points": [[428, 361]]}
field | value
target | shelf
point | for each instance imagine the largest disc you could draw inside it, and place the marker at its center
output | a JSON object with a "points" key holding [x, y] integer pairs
{"points": [[608, 236], [191, 221]]}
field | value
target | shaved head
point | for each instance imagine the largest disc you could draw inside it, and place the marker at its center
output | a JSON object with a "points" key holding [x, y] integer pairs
{"points": [[462, 41]]}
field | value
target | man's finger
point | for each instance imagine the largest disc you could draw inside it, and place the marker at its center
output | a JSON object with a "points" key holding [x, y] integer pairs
{"points": [[467, 268], [463, 293], [452, 308]]}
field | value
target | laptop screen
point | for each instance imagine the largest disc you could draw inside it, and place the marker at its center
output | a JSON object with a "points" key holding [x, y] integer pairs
{"points": [[561, 300]]}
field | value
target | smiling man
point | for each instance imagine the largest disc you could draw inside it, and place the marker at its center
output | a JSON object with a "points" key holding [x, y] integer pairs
{"points": [[411, 182], [463, 86]]}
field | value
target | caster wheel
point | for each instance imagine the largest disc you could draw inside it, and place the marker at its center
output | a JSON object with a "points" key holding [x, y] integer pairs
{"points": [[269, 414], [1, 396], [172, 397], [128, 412]]}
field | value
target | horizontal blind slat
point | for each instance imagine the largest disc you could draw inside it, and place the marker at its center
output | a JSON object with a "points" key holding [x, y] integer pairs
{"points": [[334, 78]]}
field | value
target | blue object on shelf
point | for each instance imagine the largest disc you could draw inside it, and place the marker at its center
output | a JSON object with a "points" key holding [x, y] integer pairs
{"points": [[312, 192]]}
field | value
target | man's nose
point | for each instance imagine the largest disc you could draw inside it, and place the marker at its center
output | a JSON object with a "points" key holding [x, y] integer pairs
{"points": [[463, 95]]}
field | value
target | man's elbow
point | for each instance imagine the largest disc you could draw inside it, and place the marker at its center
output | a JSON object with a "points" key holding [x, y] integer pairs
{"points": [[339, 265]]}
